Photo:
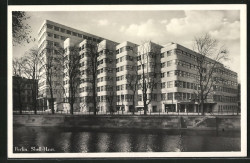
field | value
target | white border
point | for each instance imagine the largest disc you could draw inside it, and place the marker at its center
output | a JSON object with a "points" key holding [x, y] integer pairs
{"points": [[243, 64]]}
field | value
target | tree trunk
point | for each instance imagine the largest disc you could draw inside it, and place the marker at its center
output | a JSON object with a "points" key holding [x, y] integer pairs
{"points": [[202, 106], [34, 92], [19, 101], [71, 107], [52, 102], [94, 95], [133, 111]]}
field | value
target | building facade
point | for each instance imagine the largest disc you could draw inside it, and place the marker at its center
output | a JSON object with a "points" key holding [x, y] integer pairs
{"points": [[180, 82], [128, 74], [23, 93], [51, 37]]}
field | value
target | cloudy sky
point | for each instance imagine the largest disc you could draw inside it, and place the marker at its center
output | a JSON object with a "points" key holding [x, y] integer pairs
{"points": [[159, 26]]}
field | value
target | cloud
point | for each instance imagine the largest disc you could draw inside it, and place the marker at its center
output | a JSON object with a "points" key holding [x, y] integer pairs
{"points": [[164, 21], [217, 23], [103, 22], [147, 29]]}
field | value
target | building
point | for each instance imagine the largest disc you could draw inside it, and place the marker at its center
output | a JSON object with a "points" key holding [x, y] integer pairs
{"points": [[51, 37], [180, 82], [127, 74], [23, 93], [149, 72]]}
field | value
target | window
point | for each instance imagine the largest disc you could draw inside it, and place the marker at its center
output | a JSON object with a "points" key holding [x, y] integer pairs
{"points": [[184, 84], [68, 32], [74, 34], [170, 84], [162, 75], [169, 63], [62, 30], [63, 38], [163, 96], [170, 96], [163, 85], [49, 26], [56, 28], [170, 73], [79, 35], [139, 97], [50, 34], [163, 65], [56, 36], [169, 53], [162, 55], [178, 96], [184, 96]]}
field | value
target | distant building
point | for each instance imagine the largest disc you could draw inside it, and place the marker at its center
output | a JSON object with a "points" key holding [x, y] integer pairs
{"points": [[23, 93]]}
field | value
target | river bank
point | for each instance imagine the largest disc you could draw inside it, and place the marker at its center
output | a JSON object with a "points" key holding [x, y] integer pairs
{"points": [[131, 122]]}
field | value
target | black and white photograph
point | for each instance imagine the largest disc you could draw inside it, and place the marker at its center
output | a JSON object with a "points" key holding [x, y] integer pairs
{"points": [[127, 81]]}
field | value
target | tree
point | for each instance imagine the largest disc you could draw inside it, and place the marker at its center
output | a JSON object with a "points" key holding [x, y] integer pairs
{"points": [[51, 67], [133, 80], [20, 29], [72, 74], [207, 47], [110, 100], [18, 84], [148, 81], [92, 64], [30, 67]]}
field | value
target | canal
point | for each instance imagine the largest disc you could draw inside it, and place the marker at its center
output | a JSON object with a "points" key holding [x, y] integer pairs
{"points": [[77, 140]]}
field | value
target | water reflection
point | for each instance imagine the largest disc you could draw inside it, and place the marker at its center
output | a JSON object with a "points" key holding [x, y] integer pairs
{"points": [[78, 140]]}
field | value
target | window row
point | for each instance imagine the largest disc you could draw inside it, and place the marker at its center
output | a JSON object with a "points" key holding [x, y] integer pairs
{"points": [[124, 58], [226, 108], [105, 60], [224, 81], [105, 69], [105, 88], [125, 97], [177, 96], [125, 48], [220, 98], [152, 97], [105, 78], [85, 89], [62, 30]]}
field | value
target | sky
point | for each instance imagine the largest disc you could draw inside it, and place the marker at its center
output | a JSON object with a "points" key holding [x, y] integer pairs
{"points": [[161, 26]]}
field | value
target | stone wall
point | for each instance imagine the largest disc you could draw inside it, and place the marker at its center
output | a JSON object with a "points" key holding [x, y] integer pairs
{"points": [[130, 122]]}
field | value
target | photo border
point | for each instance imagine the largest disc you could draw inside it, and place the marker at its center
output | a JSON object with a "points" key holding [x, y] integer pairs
{"points": [[243, 47]]}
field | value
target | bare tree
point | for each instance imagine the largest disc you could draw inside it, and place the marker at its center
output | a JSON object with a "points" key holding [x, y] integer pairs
{"points": [[30, 67], [20, 28], [207, 47], [147, 57], [133, 80], [18, 83], [17, 67], [51, 65], [92, 63], [72, 74], [110, 100]]}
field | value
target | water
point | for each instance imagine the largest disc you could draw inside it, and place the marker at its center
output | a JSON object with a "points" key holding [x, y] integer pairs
{"points": [[67, 140]]}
